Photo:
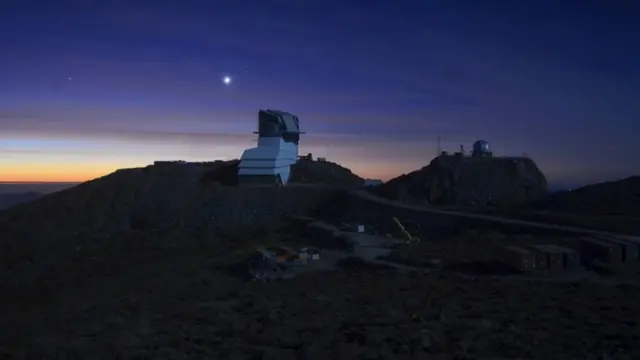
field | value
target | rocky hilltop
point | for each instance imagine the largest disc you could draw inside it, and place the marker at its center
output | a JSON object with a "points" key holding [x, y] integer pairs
{"points": [[469, 181]]}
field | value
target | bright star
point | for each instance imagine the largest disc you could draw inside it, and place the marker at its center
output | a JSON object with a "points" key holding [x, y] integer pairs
{"points": [[226, 80]]}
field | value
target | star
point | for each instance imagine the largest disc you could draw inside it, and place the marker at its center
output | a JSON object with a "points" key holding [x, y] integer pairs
{"points": [[226, 80]]}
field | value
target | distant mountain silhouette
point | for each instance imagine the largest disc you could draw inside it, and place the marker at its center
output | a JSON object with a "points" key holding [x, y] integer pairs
{"points": [[37, 187], [621, 197], [7, 200]]}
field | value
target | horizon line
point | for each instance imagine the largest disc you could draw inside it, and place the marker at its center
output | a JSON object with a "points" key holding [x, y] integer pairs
{"points": [[39, 182]]}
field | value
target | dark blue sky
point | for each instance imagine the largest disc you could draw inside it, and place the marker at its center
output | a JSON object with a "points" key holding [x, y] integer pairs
{"points": [[89, 86]]}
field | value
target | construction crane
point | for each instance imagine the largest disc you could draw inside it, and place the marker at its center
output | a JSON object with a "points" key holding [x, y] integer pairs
{"points": [[410, 238]]}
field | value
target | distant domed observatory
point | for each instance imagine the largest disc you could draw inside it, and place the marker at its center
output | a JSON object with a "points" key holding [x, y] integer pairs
{"points": [[481, 148], [278, 140]]}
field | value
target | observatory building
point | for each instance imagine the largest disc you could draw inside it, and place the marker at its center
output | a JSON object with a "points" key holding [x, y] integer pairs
{"points": [[481, 148], [270, 162]]}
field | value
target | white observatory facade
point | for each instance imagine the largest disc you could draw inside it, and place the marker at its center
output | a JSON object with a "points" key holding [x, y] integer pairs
{"points": [[278, 139]]}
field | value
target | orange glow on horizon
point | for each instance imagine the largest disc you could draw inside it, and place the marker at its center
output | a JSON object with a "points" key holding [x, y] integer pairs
{"points": [[54, 173], [63, 173], [71, 157], [42, 171]]}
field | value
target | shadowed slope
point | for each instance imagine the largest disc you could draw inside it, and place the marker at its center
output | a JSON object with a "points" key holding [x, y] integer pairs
{"points": [[620, 197], [7, 200]]}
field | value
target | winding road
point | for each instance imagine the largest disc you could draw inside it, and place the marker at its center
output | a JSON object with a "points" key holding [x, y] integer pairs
{"points": [[490, 218]]}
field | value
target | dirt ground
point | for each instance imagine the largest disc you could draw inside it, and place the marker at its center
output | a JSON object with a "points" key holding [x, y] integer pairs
{"points": [[472, 246], [150, 299]]}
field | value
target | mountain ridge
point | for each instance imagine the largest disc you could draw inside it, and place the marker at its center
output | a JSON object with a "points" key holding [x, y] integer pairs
{"points": [[8, 200]]}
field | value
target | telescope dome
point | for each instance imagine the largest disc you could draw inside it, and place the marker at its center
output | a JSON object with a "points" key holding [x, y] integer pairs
{"points": [[481, 146]]}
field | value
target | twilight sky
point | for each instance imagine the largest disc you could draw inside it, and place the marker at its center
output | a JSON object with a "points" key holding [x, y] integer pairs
{"points": [[87, 87]]}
